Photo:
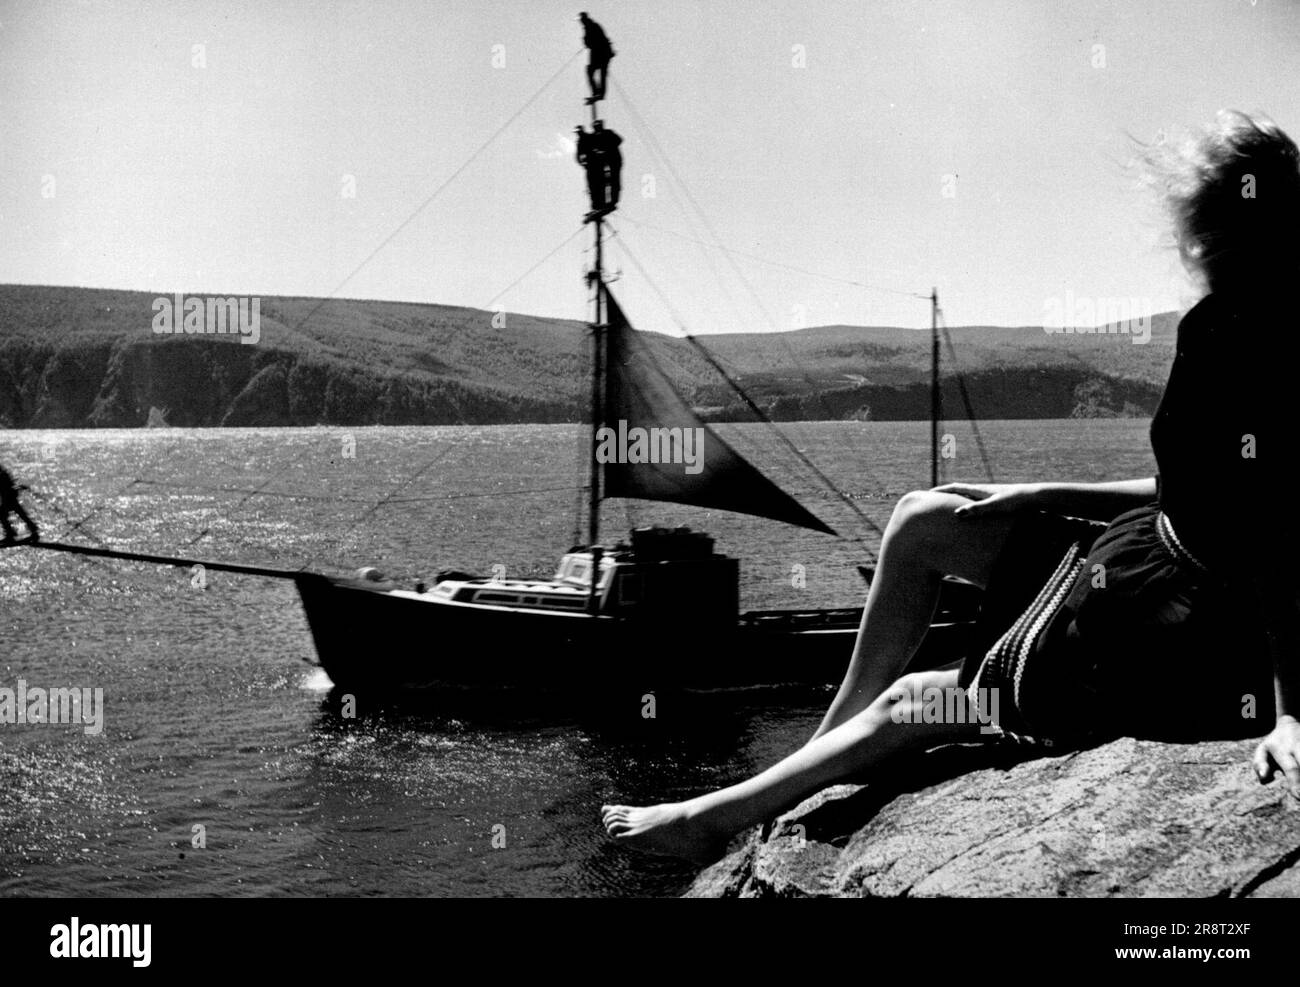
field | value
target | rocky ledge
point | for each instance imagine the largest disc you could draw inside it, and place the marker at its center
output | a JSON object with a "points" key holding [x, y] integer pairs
{"points": [[1131, 818]]}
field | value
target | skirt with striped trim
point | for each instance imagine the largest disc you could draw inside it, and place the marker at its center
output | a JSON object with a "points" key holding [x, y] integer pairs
{"points": [[1091, 631]]}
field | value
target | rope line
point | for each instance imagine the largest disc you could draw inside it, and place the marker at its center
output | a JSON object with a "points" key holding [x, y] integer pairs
{"points": [[383, 501], [438, 191], [773, 263], [254, 491], [735, 435], [965, 397], [572, 236], [749, 402], [657, 149]]}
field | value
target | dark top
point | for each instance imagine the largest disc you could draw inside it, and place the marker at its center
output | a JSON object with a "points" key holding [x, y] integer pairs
{"points": [[584, 147], [1225, 453], [605, 143], [593, 36]]}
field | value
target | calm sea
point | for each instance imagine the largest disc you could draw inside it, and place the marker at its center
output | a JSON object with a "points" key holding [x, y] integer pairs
{"points": [[216, 730]]}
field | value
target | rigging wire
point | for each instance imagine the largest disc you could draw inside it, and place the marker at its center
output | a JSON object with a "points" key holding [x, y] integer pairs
{"points": [[52, 503], [777, 264], [257, 491], [738, 436], [387, 499], [207, 530], [713, 361], [657, 150], [772, 263], [254, 491], [581, 448], [708, 357], [571, 237], [439, 190], [118, 574], [965, 397], [79, 526], [582, 494]]}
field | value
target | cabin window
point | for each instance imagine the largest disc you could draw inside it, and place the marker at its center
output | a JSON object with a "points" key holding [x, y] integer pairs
{"points": [[579, 570], [483, 597], [565, 602]]}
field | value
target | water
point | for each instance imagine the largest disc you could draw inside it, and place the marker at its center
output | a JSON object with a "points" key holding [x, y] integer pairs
{"points": [[213, 718]]}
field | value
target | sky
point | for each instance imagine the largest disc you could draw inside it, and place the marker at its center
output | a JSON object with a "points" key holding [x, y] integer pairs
{"points": [[775, 150]]}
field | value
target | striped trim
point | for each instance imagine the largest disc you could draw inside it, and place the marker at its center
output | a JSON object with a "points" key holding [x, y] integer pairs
{"points": [[1003, 666], [1174, 545]]}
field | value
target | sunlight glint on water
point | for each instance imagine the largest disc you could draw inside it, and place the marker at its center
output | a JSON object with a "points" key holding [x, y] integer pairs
{"points": [[213, 718]]}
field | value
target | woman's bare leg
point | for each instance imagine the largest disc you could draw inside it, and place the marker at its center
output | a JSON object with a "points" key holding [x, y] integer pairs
{"points": [[867, 722], [923, 542], [700, 828]]}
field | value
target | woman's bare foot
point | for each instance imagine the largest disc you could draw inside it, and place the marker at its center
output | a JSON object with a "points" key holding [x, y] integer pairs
{"points": [[668, 829]]}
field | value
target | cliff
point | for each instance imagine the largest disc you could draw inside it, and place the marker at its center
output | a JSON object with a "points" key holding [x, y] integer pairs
{"points": [[1129, 819], [89, 358]]}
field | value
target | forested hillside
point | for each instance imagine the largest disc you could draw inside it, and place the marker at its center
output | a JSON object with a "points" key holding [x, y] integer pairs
{"points": [[80, 357]]}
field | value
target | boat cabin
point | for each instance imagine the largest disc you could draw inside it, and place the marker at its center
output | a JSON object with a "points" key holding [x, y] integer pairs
{"points": [[663, 574]]}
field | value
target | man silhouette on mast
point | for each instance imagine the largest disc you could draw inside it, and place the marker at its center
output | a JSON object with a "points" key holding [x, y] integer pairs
{"points": [[598, 152], [609, 159], [600, 51], [595, 174]]}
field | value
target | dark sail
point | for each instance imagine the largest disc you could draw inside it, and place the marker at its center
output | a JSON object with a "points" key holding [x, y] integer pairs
{"points": [[654, 447]]}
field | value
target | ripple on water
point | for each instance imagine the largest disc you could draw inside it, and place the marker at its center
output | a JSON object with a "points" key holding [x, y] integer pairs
{"points": [[212, 719]]}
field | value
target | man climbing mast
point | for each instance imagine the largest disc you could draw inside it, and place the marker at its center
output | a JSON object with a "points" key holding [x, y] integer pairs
{"points": [[598, 152], [585, 155], [604, 145], [600, 52]]}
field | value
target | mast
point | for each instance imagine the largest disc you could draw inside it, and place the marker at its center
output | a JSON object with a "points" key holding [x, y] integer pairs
{"points": [[628, 387], [596, 277], [936, 401]]}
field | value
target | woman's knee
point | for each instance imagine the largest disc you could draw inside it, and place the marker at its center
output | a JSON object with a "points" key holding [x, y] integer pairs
{"points": [[925, 698], [926, 531], [900, 700]]}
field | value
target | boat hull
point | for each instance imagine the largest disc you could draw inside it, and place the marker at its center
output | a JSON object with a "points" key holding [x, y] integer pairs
{"points": [[377, 640]]}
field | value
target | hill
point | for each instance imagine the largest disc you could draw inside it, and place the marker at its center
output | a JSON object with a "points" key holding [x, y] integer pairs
{"points": [[84, 357]]}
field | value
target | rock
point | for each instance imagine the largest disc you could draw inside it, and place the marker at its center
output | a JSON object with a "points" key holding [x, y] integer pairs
{"points": [[264, 400], [1128, 819]]}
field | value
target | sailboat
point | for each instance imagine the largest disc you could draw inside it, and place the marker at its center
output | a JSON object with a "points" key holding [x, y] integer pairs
{"points": [[661, 606]]}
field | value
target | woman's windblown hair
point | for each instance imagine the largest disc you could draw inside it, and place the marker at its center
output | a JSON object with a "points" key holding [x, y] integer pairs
{"points": [[1232, 190]]}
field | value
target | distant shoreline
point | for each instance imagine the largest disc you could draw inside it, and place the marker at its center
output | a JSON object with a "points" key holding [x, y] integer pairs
{"points": [[334, 427], [90, 358]]}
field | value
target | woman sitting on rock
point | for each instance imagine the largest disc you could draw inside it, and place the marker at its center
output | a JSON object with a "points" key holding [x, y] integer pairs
{"points": [[1172, 615]]}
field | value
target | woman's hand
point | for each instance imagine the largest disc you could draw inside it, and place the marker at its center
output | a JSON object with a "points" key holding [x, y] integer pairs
{"points": [[1279, 753], [995, 498]]}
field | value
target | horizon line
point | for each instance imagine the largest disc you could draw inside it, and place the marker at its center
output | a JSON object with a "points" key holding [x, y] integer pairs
{"points": [[548, 318]]}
